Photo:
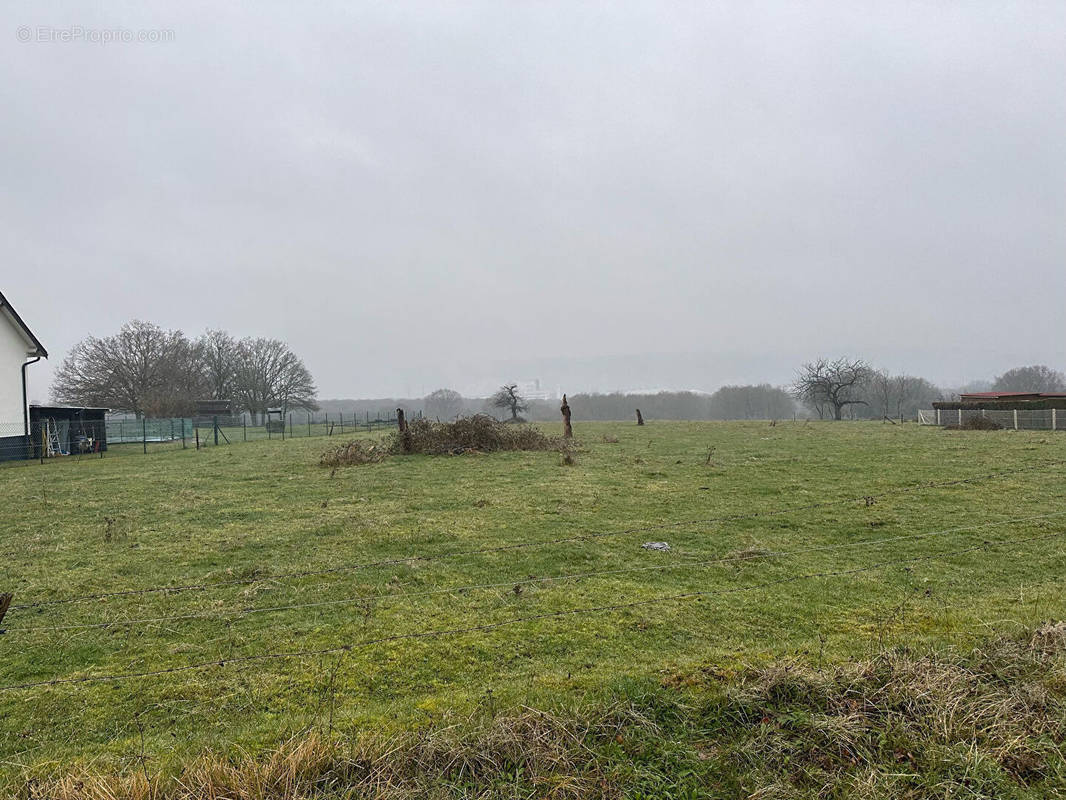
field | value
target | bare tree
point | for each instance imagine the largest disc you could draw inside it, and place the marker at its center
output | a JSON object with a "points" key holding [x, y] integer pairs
{"points": [[444, 404], [220, 356], [143, 369], [272, 376], [1036, 378], [508, 397], [832, 385]]}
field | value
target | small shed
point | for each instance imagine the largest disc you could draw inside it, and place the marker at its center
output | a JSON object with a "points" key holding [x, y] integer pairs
{"points": [[207, 411], [67, 430]]}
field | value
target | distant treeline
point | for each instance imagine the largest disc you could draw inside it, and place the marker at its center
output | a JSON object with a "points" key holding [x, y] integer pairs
{"points": [[729, 402], [861, 391]]}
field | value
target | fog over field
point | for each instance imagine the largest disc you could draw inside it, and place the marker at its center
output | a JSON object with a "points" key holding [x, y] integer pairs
{"points": [[615, 196]]}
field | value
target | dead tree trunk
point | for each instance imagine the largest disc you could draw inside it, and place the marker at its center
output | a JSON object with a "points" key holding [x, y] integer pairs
{"points": [[405, 433], [568, 432], [640, 417], [5, 603]]}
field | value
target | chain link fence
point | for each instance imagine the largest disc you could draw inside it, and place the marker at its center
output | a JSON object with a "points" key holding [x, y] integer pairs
{"points": [[60, 439]]}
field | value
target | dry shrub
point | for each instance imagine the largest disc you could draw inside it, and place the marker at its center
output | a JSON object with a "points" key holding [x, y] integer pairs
{"points": [[479, 433], [466, 435], [357, 451]]}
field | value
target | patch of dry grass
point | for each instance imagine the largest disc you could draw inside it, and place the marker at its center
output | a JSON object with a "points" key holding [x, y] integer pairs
{"points": [[895, 725], [469, 758]]}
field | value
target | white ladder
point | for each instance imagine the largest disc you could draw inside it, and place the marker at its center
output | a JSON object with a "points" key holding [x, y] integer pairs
{"points": [[54, 447]]}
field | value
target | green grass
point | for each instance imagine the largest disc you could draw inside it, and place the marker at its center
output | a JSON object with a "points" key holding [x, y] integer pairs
{"points": [[265, 508]]}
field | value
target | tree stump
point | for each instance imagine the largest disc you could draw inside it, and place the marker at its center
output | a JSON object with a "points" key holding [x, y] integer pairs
{"points": [[405, 432], [5, 603], [640, 417], [568, 432]]}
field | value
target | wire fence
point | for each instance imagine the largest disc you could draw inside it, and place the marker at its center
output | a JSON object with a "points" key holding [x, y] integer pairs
{"points": [[1021, 419], [73, 437]]}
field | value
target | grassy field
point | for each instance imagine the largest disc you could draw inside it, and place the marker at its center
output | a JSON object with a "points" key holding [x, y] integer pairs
{"points": [[832, 580]]}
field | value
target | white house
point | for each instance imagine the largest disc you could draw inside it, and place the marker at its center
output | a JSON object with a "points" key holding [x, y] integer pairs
{"points": [[18, 349]]}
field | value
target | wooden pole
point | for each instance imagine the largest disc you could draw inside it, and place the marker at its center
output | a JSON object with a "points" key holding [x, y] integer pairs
{"points": [[405, 433], [568, 432], [640, 417]]}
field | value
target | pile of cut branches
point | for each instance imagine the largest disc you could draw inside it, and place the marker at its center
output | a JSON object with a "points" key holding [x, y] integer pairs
{"points": [[477, 434]]}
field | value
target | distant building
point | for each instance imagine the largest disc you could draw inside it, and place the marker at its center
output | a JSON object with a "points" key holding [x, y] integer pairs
{"points": [[1010, 397], [531, 390], [208, 411]]}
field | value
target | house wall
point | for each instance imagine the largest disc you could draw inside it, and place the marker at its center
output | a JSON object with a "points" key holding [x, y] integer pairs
{"points": [[13, 349]]}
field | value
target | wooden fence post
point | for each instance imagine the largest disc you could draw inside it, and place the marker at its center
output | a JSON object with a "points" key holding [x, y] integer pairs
{"points": [[568, 432], [640, 417]]}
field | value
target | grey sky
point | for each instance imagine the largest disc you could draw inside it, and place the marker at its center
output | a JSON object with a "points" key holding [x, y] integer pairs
{"points": [[416, 195]]}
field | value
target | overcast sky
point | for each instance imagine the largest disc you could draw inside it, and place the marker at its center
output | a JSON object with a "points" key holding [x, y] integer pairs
{"points": [[616, 195]]}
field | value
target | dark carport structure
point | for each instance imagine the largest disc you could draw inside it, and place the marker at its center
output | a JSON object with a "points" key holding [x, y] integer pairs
{"points": [[67, 430]]}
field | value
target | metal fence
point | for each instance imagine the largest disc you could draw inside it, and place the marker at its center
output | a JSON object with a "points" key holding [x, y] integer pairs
{"points": [[1046, 419], [51, 439]]}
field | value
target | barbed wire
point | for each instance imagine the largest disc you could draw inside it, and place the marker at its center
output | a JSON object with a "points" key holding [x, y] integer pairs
{"points": [[868, 498], [348, 647], [547, 579]]}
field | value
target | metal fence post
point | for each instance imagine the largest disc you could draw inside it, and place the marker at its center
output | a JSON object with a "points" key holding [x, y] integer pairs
{"points": [[308, 423], [244, 426], [183, 433], [1054, 419], [144, 434], [1015, 419], [214, 424]]}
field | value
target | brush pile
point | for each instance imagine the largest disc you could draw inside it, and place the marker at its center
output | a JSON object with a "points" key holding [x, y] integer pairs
{"points": [[479, 433], [467, 435], [357, 451]]}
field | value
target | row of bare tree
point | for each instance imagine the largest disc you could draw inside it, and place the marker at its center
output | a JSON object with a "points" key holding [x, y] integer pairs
{"points": [[149, 371]]}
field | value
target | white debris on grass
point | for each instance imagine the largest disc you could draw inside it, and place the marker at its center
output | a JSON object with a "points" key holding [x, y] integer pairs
{"points": [[656, 546]]}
